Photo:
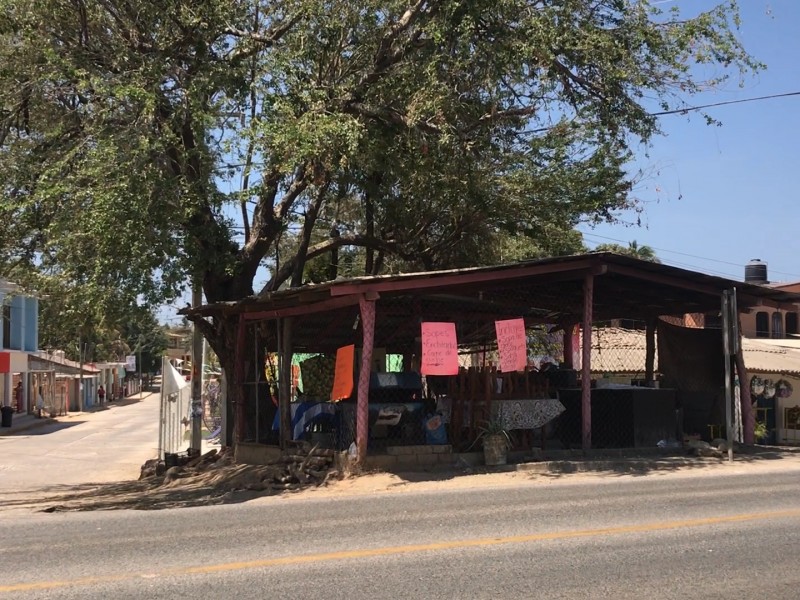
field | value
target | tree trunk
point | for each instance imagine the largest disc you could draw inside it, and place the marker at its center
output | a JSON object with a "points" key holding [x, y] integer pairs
{"points": [[286, 382], [249, 397]]}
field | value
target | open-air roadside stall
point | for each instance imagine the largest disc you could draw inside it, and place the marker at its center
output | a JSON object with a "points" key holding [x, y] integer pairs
{"points": [[401, 355]]}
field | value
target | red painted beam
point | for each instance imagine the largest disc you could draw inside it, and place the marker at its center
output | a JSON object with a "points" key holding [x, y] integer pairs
{"points": [[299, 311], [586, 363], [465, 278]]}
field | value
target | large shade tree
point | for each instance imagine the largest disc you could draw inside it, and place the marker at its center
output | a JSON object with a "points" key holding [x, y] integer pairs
{"points": [[146, 142]]}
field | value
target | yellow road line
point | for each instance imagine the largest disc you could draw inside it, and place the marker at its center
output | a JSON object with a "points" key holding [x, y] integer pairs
{"points": [[409, 549]]}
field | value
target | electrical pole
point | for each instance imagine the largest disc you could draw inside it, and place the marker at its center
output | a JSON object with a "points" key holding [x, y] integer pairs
{"points": [[80, 371], [141, 371], [197, 374]]}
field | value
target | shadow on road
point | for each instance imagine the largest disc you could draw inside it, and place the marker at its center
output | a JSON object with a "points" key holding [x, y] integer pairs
{"points": [[641, 466], [240, 483], [125, 401], [46, 428], [616, 464]]}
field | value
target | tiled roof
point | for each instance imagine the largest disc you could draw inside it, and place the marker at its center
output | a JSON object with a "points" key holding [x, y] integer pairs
{"points": [[616, 350]]}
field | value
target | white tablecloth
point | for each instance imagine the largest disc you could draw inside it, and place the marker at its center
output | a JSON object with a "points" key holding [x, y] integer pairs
{"points": [[526, 414]]}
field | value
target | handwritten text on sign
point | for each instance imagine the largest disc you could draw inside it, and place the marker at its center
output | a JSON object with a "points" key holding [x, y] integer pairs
{"points": [[439, 349], [512, 344], [343, 373]]}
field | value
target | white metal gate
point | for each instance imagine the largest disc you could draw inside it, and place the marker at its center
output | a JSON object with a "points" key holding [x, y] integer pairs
{"points": [[176, 403]]}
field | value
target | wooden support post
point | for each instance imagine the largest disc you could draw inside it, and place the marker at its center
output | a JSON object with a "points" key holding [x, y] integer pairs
{"points": [[650, 349], [285, 378], [569, 360], [240, 393], [748, 415], [586, 363], [367, 308]]}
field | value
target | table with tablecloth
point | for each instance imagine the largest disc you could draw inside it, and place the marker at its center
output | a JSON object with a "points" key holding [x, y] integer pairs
{"points": [[527, 413]]}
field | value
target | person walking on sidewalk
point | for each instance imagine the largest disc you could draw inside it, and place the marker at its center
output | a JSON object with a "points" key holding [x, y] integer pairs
{"points": [[101, 395], [18, 396]]}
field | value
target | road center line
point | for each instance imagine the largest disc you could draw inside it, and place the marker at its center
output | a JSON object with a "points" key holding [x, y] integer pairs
{"points": [[409, 549]]}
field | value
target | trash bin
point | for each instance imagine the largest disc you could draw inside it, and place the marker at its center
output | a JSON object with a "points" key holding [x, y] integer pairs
{"points": [[7, 414]]}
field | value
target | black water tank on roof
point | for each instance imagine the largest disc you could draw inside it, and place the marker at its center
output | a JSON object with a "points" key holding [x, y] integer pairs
{"points": [[755, 271]]}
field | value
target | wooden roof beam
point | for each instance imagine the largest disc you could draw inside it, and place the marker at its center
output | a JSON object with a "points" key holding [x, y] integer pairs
{"points": [[578, 268]]}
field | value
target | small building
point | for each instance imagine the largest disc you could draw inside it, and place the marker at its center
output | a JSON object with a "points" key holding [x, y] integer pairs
{"points": [[19, 335], [773, 375]]}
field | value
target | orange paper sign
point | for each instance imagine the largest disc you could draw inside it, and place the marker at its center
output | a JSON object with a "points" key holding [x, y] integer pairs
{"points": [[512, 344], [343, 373], [439, 349]]}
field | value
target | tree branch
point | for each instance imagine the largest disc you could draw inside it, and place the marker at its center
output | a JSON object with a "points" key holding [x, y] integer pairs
{"points": [[206, 328], [297, 187], [389, 116], [260, 40], [509, 113], [308, 227], [329, 244]]}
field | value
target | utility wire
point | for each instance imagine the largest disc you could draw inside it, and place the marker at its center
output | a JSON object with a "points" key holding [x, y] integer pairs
{"points": [[678, 111], [704, 258]]}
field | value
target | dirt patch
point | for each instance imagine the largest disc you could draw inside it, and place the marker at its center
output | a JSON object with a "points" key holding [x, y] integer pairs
{"points": [[303, 472], [200, 481]]}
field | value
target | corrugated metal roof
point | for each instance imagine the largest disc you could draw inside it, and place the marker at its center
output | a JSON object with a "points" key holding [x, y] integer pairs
{"points": [[618, 268], [46, 361]]}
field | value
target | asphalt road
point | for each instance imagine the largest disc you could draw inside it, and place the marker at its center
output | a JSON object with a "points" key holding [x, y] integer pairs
{"points": [[107, 445], [717, 536]]}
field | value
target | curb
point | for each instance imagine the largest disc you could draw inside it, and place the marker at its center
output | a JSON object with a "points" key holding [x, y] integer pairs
{"points": [[630, 466]]}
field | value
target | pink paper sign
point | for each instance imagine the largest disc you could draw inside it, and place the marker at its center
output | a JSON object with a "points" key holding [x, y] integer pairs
{"points": [[439, 349], [512, 344]]}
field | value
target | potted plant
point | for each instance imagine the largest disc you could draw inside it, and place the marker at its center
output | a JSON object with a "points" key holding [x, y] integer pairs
{"points": [[496, 442], [760, 432]]}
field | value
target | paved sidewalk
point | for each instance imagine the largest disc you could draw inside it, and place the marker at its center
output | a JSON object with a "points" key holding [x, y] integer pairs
{"points": [[21, 422]]}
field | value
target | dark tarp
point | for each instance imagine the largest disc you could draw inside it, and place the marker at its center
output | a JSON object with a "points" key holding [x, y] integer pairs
{"points": [[692, 362]]}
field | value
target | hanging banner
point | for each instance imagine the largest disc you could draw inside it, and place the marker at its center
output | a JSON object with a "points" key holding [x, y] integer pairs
{"points": [[343, 373], [512, 344], [439, 349], [130, 363]]}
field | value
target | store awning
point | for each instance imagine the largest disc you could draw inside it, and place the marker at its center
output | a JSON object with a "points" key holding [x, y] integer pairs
{"points": [[42, 362]]}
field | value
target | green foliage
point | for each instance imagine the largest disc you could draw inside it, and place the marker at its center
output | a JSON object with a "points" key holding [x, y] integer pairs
{"points": [[148, 142], [760, 431], [493, 428], [632, 249]]}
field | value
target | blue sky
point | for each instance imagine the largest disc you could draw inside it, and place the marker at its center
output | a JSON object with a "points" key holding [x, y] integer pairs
{"points": [[716, 197]]}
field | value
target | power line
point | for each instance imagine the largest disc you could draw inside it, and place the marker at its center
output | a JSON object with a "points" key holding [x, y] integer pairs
{"points": [[704, 258], [678, 111], [665, 250], [686, 109]]}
